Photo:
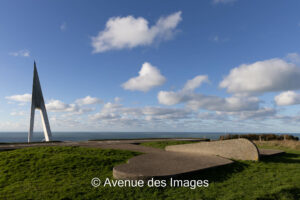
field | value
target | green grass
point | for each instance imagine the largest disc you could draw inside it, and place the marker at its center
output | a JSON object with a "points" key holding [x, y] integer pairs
{"points": [[163, 144], [66, 172]]}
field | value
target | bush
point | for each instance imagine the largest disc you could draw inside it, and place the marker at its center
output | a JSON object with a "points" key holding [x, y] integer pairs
{"points": [[263, 137]]}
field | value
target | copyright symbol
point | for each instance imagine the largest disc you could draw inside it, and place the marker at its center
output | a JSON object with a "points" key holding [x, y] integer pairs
{"points": [[95, 182]]}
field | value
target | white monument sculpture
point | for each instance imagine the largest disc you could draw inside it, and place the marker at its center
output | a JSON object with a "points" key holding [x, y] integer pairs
{"points": [[37, 102]]}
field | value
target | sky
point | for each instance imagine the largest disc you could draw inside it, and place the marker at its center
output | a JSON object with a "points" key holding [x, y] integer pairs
{"points": [[194, 66]]}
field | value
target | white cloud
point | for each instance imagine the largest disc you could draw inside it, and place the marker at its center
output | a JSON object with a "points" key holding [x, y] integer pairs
{"points": [[104, 116], [117, 99], [129, 32], [263, 76], [149, 77], [158, 113], [111, 107], [184, 95], [195, 82], [21, 53], [20, 98], [109, 111], [220, 116], [223, 1], [158, 118], [262, 113], [172, 98], [59, 106], [287, 98], [197, 101], [17, 113], [116, 112], [88, 100], [223, 104], [63, 26]]}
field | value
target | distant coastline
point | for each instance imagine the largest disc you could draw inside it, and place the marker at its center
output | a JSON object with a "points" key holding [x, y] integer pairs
{"points": [[83, 136]]}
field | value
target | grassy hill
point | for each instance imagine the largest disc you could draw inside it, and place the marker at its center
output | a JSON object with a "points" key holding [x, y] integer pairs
{"points": [[66, 173]]}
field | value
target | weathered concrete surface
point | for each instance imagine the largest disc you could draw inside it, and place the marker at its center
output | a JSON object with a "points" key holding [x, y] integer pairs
{"points": [[166, 164], [239, 149]]}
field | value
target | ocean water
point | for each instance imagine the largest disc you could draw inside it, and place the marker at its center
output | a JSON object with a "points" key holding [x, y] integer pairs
{"points": [[83, 136]]}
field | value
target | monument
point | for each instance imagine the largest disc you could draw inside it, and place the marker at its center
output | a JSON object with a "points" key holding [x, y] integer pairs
{"points": [[37, 102]]}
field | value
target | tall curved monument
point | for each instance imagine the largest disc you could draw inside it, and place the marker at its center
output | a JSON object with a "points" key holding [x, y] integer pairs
{"points": [[37, 102]]}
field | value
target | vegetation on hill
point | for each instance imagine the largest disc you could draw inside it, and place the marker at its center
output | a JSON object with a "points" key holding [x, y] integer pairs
{"points": [[284, 144], [66, 173], [163, 144], [261, 137]]}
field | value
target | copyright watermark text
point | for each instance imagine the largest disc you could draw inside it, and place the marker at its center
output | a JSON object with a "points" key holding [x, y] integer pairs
{"points": [[192, 184]]}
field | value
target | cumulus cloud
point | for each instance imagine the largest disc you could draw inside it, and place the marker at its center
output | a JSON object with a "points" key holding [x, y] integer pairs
{"points": [[20, 98], [88, 100], [21, 53], [184, 95], [17, 113], [196, 101], [117, 99], [104, 116], [195, 83], [258, 114], [117, 115], [287, 98], [171, 98], [261, 113], [129, 32], [219, 116], [263, 76], [59, 106], [223, 104], [149, 77], [116, 112], [158, 113]]}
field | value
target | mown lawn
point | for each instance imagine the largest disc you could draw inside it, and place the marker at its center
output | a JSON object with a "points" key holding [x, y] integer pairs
{"points": [[66, 172]]}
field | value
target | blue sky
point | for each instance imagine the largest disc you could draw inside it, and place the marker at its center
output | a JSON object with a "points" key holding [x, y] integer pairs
{"points": [[211, 65]]}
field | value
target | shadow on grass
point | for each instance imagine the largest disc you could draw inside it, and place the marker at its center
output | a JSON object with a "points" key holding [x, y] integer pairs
{"points": [[282, 158], [288, 193], [216, 174], [3, 150], [11, 143]]}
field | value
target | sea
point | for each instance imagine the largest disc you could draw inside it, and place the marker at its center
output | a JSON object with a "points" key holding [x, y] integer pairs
{"points": [[10, 137]]}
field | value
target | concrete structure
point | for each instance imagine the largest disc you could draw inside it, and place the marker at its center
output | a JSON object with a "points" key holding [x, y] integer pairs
{"points": [[239, 149], [37, 102], [154, 162], [166, 164]]}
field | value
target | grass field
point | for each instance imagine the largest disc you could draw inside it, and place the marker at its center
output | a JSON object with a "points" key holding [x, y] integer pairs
{"points": [[163, 144], [66, 172]]}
